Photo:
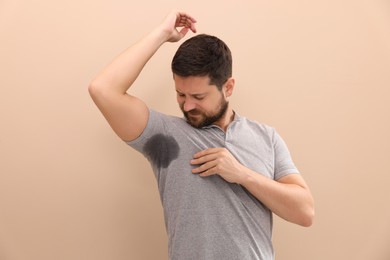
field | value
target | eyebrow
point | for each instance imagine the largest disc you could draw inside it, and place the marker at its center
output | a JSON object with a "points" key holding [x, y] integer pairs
{"points": [[193, 95]]}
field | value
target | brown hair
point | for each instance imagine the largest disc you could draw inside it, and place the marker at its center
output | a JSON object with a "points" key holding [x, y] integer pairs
{"points": [[204, 55]]}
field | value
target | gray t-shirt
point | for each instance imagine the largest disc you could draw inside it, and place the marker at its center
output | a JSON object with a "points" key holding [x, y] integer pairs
{"points": [[207, 217]]}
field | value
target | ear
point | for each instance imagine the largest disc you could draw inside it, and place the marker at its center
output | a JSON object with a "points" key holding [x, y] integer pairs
{"points": [[228, 87]]}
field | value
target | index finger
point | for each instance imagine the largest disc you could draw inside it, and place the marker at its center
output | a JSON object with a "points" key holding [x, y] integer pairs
{"points": [[206, 152], [186, 20], [182, 14]]}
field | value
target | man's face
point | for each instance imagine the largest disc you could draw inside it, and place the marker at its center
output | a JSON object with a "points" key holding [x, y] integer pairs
{"points": [[202, 104]]}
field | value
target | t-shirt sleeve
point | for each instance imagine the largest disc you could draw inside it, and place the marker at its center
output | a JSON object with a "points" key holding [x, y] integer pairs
{"points": [[156, 124], [156, 142], [284, 164]]}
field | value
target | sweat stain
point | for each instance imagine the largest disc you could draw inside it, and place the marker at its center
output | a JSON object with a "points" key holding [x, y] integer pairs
{"points": [[161, 150]]}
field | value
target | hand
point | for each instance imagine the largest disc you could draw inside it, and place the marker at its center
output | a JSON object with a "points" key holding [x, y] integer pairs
{"points": [[218, 161], [175, 20]]}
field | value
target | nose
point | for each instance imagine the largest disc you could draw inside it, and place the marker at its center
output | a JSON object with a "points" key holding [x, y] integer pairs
{"points": [[188, 105]]}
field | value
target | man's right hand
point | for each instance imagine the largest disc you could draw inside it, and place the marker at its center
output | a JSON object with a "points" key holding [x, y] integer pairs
{"points": [[177, 24]]}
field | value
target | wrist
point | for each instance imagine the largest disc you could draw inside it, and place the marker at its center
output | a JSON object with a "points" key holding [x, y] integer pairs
{"points": [[160, 35], [246, 176]]}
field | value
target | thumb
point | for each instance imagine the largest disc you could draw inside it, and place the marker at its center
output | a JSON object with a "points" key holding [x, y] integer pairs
{"points": [[183, 32]]}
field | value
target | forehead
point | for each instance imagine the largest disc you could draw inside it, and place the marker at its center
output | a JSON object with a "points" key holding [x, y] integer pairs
{"points": [[193, 84]]}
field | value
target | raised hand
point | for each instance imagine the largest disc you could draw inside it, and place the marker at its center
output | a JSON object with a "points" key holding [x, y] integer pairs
{"points": [[177, 24]]}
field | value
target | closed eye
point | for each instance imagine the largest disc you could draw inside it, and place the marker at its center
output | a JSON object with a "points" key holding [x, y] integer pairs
{"points": [[195, 96], [199, 97]]}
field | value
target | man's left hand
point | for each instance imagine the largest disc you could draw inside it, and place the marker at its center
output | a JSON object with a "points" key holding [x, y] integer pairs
{"points": [[218, 161]]}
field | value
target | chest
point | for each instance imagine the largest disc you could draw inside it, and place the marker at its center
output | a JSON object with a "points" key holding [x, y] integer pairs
{"points": [[250, 148]]}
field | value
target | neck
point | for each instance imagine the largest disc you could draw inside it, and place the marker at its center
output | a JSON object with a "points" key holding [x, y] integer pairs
{"points": [[224, 122]]}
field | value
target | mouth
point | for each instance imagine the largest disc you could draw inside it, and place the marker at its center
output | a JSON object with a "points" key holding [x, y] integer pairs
{"points": [[193, 113], [193, 118]]}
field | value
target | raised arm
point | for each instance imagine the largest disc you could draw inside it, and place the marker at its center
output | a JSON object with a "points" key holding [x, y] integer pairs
{"points": [[126, 114]]}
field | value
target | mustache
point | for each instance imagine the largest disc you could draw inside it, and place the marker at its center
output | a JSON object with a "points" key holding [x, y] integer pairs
{"points": [[192, 112]]}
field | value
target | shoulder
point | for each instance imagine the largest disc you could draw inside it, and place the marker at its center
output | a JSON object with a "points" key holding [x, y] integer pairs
{"points": [[260, 130], [161, 123], [256, 126], [159, 119]]}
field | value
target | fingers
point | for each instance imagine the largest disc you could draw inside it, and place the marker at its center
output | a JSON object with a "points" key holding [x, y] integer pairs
{"points": [[205, 168], [183, 32], [208, 152], [218, 161], [183, 17], [203, 159], [177, 24], [185, 20], [208, 161]]}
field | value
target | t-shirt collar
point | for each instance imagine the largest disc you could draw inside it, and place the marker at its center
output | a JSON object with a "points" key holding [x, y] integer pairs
{"points": [[236, 118]]}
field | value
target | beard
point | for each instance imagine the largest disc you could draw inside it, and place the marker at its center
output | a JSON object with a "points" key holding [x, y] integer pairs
{"points": [[199, 119]]}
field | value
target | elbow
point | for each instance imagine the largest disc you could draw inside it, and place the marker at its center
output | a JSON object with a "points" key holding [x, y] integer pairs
{"points": [[93, 89], [307, 218], [97, 91], [307, 213]]}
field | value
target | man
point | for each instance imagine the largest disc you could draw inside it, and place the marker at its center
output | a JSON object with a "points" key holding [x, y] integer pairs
{"points": [[220, 175]]}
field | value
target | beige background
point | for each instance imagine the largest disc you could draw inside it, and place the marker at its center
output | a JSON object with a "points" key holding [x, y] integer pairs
{"points": [[318, 71]]}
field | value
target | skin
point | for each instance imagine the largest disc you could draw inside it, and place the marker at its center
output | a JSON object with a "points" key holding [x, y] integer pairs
{"points": [[289, 197], [200, 100]]}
